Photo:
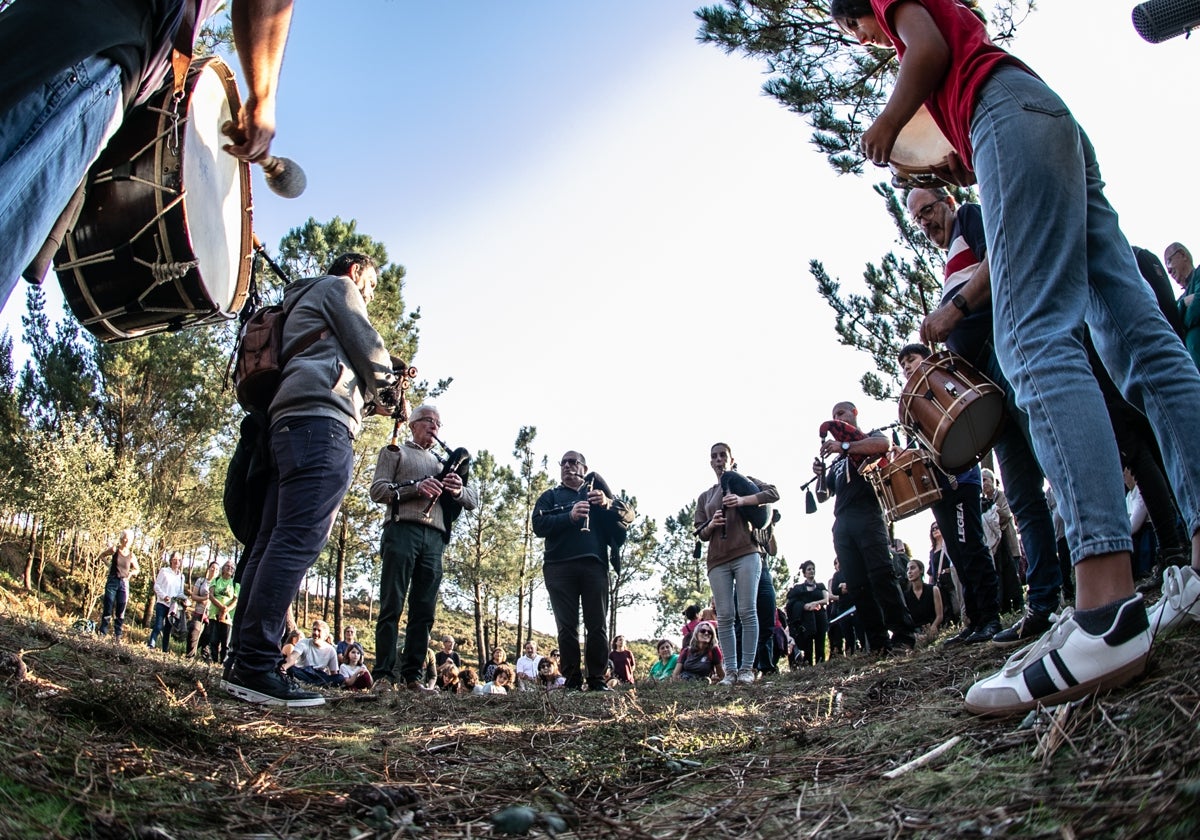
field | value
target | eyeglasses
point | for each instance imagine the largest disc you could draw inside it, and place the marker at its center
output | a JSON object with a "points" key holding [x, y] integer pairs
{"points": [[924, 214], [571, 462], [437, 424]]}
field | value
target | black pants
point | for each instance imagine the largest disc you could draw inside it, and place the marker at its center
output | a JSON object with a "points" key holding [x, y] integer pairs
{"points": [[961, 522], [861, 544], [572, 584]]}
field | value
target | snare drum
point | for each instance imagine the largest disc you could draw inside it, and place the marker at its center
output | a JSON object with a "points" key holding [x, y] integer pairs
{"points": [[164, 240], [954, 409], [905, 486], [919, 147]]}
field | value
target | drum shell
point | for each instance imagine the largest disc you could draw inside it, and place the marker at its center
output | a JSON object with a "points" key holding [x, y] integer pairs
{"points": [[908, 484], [953, 409], [136, 214]]}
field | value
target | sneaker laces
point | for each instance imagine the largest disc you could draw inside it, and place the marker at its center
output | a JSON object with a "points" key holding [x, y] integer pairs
{"points": [[1050, 640]]}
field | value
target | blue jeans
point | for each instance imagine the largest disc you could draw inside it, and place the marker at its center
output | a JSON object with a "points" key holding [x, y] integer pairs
{"points": [[160, 626], [735, 592], [1023, 486], [116, 598], [1058, 261], [764, 602], [47, 142], [313, 462]]}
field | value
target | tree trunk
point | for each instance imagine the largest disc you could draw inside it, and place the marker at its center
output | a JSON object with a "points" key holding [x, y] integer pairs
{"points": [[27, 578], [339, 579], [477, 610]]}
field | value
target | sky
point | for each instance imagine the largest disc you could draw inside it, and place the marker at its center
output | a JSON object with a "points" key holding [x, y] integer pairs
{"points": [[607, 226]]}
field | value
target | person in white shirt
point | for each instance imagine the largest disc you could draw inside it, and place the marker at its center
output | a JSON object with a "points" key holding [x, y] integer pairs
{"points": [[527, 676], [168, 598], [314, 660]]}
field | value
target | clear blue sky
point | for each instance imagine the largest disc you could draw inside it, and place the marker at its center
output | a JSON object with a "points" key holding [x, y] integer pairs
{"points": [[607, 226]]}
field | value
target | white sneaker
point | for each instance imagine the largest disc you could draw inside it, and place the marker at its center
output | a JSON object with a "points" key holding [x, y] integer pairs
{"points": [[745, 676], [1180, 599], [1067, 663], [730, 678]]}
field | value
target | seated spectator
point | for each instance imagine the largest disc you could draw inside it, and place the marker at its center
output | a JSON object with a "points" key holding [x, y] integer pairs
{"points": [[447, 677], [355, 675], [664, 666], [807, 621], [467, 680], [314, 660], [349, 637], [526, 670], [498, 658], [548, 674], [447, 653], [702, 660], [499, 683], [924, 602], [289, 643], [622, 662]]}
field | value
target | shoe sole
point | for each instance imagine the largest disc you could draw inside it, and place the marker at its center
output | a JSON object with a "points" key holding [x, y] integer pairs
{"points": [[257, 697], [1107, 682]]}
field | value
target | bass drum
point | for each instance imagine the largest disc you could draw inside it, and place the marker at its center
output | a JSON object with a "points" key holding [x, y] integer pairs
{"points": [[164, 239]]}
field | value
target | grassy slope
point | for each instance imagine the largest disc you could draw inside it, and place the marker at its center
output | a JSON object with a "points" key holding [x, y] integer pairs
{"points": [[101, 740]]}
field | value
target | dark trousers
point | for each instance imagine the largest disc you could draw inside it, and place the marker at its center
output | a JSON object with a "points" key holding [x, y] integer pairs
{"points": [[312, 461], [861, 545], [572, 585], [218, 639], [411, 570], [1023, 482], [959, 518], [116, 599], [195, 639]]}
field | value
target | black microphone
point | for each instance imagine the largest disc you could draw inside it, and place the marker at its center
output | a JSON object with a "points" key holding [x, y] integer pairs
{"points": [[1158, 20], [284, 176]]}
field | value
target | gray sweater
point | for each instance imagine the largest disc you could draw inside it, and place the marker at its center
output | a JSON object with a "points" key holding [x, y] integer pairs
{"points": [[335, 376]]}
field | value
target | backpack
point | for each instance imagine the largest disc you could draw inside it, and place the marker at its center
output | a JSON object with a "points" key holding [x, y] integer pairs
{"points": [[259, 357]]}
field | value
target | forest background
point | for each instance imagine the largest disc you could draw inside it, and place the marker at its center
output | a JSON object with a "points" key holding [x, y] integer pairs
{"points": [[582, 208]]}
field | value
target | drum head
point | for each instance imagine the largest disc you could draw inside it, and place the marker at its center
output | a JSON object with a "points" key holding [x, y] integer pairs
{"points": [[973, 433], [920, 146], [213, 202]]}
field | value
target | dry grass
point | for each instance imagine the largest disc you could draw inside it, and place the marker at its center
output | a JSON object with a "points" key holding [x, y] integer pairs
{"points": [[109, 741]]}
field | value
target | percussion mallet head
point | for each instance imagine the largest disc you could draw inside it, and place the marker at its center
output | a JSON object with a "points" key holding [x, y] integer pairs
{"points": [[284, 176]]}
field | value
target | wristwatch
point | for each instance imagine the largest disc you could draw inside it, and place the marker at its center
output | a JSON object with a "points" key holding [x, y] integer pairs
{"points": [[845, 446], [961, 303]]}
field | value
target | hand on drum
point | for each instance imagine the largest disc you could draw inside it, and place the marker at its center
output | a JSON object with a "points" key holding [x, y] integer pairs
{"points": [[939, 323], [878, 140], [252, 134], [954, 172]]}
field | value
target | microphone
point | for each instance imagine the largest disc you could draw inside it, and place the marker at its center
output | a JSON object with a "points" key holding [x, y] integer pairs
{"points": [[1158, 20], [284, 176]]}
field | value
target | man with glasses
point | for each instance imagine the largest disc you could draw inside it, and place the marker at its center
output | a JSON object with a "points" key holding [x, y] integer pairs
{"points": [[1184, 272], [964, 322], [576, 524], [406, 479]]}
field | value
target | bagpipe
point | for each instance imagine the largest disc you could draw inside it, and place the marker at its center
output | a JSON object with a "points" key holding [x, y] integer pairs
{"points": [[614, 522], [457, 461], [842, 432]]}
